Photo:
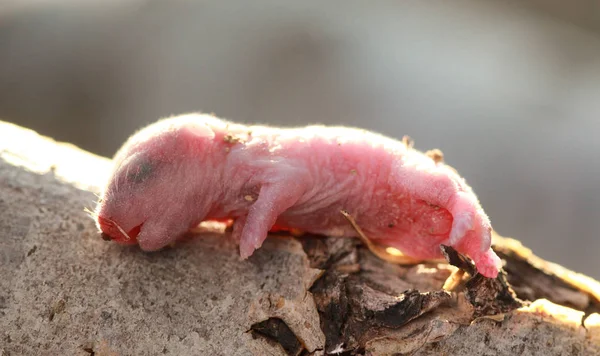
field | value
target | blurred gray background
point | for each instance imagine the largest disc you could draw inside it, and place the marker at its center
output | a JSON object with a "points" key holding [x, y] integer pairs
{"points": [[509, 90]]}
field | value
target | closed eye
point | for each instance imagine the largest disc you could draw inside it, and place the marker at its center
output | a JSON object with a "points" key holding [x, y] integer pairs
{"points": [[140, 172], [136, 169]]}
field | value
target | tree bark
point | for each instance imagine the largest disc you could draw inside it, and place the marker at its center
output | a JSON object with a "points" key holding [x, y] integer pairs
{"points": [[63, 290]]}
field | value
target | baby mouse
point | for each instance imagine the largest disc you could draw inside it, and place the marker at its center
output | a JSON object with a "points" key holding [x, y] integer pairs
{"points": [[180, 171]]}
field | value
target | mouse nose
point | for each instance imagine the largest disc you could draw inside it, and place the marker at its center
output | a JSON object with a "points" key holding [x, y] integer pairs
{"points": [[107, 228], [104, 222], [110, 231]]}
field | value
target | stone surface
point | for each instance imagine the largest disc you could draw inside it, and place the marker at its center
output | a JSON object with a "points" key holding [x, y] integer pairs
{"points": [[63, 290]]}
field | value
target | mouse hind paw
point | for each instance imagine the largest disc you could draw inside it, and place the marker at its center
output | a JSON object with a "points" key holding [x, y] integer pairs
{"points": [[488, 264]]}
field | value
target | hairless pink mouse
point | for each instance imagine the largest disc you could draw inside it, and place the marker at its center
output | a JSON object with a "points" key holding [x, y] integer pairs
{"points": [[181, 171]]}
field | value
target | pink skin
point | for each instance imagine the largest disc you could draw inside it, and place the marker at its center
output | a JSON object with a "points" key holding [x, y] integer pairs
{"points": [[181, 171]]}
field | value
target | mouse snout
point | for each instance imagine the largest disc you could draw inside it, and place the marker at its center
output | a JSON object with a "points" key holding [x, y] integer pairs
{"points": [[111, 231]]}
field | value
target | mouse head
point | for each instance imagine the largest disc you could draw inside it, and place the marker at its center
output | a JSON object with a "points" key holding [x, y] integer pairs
{"points": [[149, 197]]}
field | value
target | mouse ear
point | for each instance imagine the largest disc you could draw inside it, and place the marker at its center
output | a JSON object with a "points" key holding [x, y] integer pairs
{"points": [[195, 137], [199, 131]]}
